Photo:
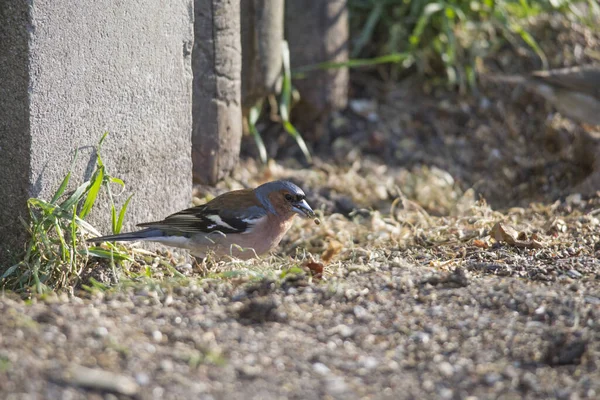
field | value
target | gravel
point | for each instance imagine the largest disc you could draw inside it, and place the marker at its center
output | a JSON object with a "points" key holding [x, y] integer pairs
{"points": [[401, 330]]}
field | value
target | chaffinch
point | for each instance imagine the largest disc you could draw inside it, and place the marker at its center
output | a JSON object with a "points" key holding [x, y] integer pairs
{"points": [[242, 223]]}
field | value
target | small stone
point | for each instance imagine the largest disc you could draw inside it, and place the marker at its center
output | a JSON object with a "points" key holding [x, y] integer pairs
{"points": [[362, 314], [574, 274], [157, 336], [446, 393], [166, 365], [336, 386], [446, 369], [250, 371], [101, 331], [321, 369], [492, 378], [368, 362], [142, 378], [421, 337], [345, 331]]}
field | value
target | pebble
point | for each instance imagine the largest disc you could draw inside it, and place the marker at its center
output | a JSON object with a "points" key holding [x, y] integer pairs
{"points": [[321, 369], [421, 337], [336, 386], [446, 369], [574, 274], [344, 331], [166, 365], [362, 314], [368, 362], [446, 393], [101, 331], [157, 336], [142, 378]]}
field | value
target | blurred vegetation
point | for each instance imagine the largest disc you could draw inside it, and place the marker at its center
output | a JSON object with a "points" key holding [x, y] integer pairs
{"points": [[445, 40]]}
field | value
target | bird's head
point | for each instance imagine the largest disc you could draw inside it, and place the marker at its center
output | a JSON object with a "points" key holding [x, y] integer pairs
{"points": [[284, 199]]}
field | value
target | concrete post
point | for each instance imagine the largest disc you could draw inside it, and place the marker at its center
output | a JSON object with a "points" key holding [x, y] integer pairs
{"points": [[70, 71]]}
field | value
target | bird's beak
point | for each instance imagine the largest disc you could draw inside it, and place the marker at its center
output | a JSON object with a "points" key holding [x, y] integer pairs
{"points": [[303, 209]]}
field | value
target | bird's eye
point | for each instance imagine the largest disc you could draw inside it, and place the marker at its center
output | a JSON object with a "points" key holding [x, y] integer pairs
{"points": [[288, 197]]}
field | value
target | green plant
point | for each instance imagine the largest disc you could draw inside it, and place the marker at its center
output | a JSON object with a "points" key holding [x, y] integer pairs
{"points": [[450, 35], [56, 252], [284, 107]]}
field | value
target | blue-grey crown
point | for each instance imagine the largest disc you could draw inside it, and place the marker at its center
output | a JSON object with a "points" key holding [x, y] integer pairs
{"points": [[262, 192]]}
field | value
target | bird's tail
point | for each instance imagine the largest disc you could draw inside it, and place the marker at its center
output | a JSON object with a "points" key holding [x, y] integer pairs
{"points": [[145, 234]]}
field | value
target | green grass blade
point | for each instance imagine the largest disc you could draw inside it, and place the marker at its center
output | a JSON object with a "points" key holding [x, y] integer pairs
{"points": [[113, 217], [285, 102], [75, 197], [367, 32], [527, 38], [106, 254], [64, 250], [61, 189], [291, 129], [119, 225], [252, 120], [286, 86], [393, 58], [10, 271], [118, 181], [65, 182], [429, 10], [92, 194], [98, 157]]}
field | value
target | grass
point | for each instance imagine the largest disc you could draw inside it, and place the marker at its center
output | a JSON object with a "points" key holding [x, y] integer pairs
{"points": [[446, 38], [56, 253], [284, 107]]}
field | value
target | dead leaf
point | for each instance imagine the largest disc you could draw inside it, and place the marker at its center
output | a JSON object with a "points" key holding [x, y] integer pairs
{"points": [[315, 269], [333, 249], [480, 243], [502, 233], [509, 235]]}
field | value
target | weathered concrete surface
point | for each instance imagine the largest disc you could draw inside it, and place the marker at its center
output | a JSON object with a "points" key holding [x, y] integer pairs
{"points": [[217, 114], [14, 120], [262, 34], [68, 74]]}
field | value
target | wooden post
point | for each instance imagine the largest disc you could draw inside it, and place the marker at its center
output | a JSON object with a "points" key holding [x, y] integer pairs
{"points": [[262, 34], [216, 103], [317, 31]]}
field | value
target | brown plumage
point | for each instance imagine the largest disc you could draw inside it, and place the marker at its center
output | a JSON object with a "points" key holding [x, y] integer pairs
{"points": [[242, 223]]}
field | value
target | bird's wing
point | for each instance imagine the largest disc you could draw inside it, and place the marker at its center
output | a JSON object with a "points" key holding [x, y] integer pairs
{"points": [[232, 212], [584, 79]]}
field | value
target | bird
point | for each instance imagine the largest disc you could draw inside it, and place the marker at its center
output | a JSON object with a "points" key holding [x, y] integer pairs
{"points": [[574, 91], [244, 223]]}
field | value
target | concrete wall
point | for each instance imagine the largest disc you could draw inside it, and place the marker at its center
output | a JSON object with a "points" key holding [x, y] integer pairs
{"points": [[70, 70]]}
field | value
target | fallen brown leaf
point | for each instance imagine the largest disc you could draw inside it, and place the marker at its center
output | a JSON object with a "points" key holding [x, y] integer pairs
{"points": [[315, 269], [507, 234], [480, 243], [333, 249], [503, 233]]}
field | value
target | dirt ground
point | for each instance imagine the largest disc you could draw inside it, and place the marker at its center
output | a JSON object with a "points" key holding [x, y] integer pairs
{"points": [[458, 262]]}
